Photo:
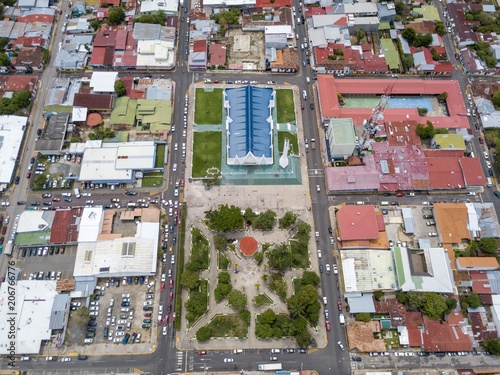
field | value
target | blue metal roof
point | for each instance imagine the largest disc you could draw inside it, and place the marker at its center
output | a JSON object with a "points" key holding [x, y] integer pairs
{"points": [[249, 131]]}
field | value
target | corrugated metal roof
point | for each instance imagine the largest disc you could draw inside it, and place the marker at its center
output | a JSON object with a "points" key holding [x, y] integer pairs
{"points": [[408, 222]]}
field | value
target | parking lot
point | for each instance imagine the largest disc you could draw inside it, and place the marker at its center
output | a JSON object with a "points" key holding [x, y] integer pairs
{"points": [[58, 259], [118, 312]]}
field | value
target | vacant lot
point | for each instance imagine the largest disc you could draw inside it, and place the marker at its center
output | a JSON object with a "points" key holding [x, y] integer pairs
{"points": [[208, 107], [206, 152], [285, 106], [160, 155], [200, 249]]}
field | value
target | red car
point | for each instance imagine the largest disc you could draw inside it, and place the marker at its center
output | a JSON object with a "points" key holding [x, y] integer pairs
{"points": [[56, 199], [480, 140], [165, 321], [162, 287], [171, 296], [171, 283], [202, 352], [327, 323], [169, 309], [28, 174], [181, 183], [400, 194], [4, 230], [339, 304]]}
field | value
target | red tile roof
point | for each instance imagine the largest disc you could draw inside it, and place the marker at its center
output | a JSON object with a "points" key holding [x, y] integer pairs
{"points": [[357, 223], [313, 11], [273, 3], [329, 87], [64, 228], [44, 18], [441, 337], [94, 101], [472, 171], [445, 173], [200, 45], [217, 52], [479, 326], [26, 41], [19, 82]]}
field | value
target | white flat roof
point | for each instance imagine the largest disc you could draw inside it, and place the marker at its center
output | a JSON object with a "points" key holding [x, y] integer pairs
{"points": [[135, 156], [11, 136], [125, 256], [90, 224], [103, 81], [168, 6], [34, 301], [79, 114], [228, 3], [98, 164], [155, 53], [31, 221]]}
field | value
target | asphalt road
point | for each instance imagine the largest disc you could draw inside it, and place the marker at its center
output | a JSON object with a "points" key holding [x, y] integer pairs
{"points": [[166, 359]]}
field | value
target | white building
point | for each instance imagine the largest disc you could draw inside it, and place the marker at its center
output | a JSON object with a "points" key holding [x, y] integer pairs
{"points": [[112, 255], [155, 54], [116, 162], [33, 322], [11, 136], [341, 138], [103, 82], [151, 6]]}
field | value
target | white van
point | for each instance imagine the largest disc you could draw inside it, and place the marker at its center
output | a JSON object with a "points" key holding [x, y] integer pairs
{"points": [[308, 80], [384, 203], [489, 182], [131, 205], [360, 202], [304, 94]]}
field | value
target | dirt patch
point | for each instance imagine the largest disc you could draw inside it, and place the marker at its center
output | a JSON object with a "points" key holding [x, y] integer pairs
{"points": [[246, 50]]}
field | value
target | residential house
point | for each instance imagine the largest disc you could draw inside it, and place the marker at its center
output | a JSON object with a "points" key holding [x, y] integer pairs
{"points": [[476, 263], [74, 52], [198, 57], [29, 59]]}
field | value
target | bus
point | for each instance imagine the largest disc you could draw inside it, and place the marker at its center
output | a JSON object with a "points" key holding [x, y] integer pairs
{"points": [[269, 366]]}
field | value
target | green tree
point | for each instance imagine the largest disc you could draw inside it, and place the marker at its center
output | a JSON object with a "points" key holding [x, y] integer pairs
{"points": [[4, 60], [280, 258], [471, 300], [295, 306], [378, 294], [303, 339], [228, 17], [157, 17], [268, 317], [265, 221], [496, 99], [422, 40], [440, 29], [259, 257], [225, 218], [21, 99], [220, 242], [116, 16], [249, 216], [120, 89], [224, 277], [426, 132], [360, 34], [400, 7], [442, 97], [310, 278], [303, 232], [409, 34], [203, 334], [489, 246], [492, 345], [221, 291], [288, 219], [189, 279], [263, 331], [363, 317], [237, 300]]}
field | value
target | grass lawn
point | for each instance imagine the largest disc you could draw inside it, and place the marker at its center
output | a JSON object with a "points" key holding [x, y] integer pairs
{"points": [[208, 107], [160, 155], [152, 179], [222, 261], [200, 248], [294, 146], [230, 325], [285, 106], [296, 283], [206, 152], [262, 299], [200, 295]]}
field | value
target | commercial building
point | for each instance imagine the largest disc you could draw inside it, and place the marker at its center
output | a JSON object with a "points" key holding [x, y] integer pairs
{"points": [[340, 138], [36, 304], [11, 137]]}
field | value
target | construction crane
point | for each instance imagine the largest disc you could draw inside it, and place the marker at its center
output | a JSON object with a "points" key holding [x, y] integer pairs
{"points": [[371, 124]]}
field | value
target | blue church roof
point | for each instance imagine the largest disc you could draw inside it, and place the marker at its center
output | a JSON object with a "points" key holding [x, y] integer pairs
{"points": [[249, 131]]}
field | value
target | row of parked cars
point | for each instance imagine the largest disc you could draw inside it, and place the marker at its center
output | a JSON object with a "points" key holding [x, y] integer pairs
{"points": [[49, 275], [42, 251]]}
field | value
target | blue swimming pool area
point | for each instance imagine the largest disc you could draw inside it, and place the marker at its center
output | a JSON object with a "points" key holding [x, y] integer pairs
{"points": [[428, 102]]}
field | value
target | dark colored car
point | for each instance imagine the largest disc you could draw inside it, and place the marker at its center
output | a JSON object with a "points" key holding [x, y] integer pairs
{"points": [[311, 105], [17, 179], [21, 203], [39, 133], [497, 194], [82, 357], [32, 161]]}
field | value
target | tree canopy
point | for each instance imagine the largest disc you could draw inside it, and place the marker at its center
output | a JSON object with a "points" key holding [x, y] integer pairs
{"points": [[492, 345], [116, 16], [288, 219], [225, 218], [228, 17], [189, 279], [237, 300], [488, 246], [265, 221], [120, 88], [20, 100], [426, 131], [434, 305], [496, 99], [157, 17], [101, 132]]}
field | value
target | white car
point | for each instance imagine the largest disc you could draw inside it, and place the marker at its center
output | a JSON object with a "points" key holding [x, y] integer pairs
{"points": [[341, 346], [325, 301], [275, 351], [148, 303], [228, 360], [66, 359], [163, 277], [108, 322], [176, 192], [89, 202], [176, 146], [88, 341], [328, 269], [174, 167], [164, 330], [122, 322], [335, 269], [160, 309], [120, 333], [319, 253], [471, 193]]}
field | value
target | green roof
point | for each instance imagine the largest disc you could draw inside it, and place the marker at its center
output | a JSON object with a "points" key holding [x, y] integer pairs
{"points": [[124, 112], [343, 131], [56, 108], [156, 113], [390, 53], [447, 141], [429, 13], [384, 26]]}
